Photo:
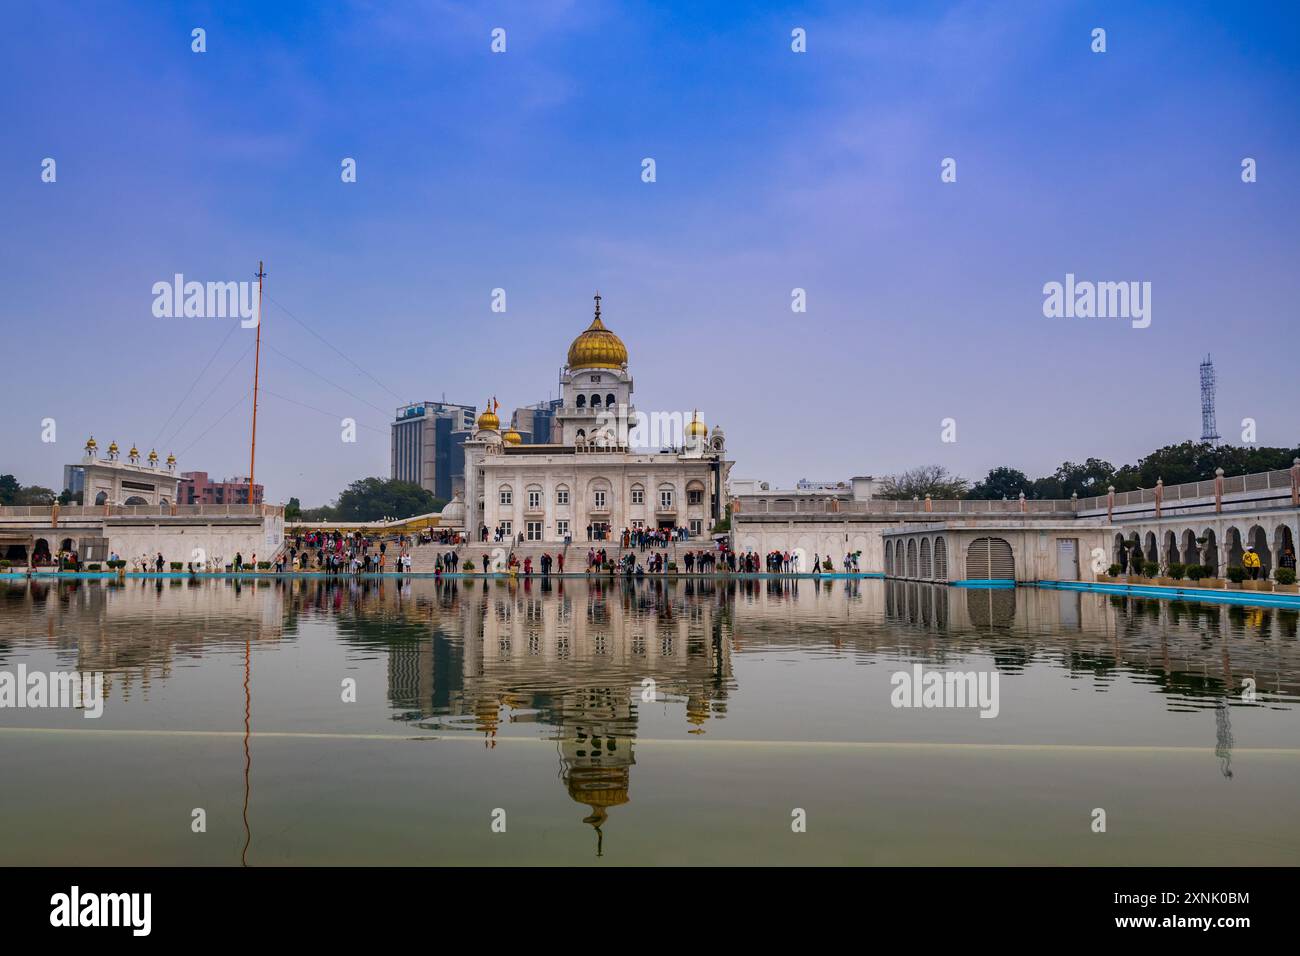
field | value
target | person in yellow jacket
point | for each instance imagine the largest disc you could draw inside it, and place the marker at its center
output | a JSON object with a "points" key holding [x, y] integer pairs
{"points": [[1250, 561]]}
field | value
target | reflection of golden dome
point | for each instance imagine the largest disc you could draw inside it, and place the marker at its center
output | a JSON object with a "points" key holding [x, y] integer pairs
{"points": [[599, 788], [512, 437], [696, 427], [597, 347]]}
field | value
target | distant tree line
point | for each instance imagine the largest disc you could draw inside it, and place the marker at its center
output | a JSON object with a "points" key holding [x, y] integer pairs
{"points": [[12, 492], [369, 499], [1176, 464]]}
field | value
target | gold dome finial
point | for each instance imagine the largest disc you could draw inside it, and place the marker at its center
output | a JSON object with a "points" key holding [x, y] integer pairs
{"points": [[597, 347], [171, 459], [153, 456], [91, 444], [696, 428]]}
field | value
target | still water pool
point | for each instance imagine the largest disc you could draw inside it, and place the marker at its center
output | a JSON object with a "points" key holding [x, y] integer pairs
{"points": [[718, 721]]}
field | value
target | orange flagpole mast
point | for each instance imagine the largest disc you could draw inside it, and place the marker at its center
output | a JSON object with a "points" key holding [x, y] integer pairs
{"points": [[257, 364]]}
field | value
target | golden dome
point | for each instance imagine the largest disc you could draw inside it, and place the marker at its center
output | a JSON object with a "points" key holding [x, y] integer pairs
{"points": [[171, 459], [92, 444], [134, 452], [153, 456], [597, 347], [112, 448], [696, 427], [512, 437], [488, 421]]}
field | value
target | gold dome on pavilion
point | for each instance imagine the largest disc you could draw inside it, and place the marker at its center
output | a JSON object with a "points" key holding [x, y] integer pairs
{"points": [[696, 428], [91, 444], [597, 347], [512, 437], [488, 421], [153, 456], [112, 448]]}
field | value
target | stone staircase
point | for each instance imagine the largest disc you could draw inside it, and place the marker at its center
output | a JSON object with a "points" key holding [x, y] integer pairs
{"points": [[423, 556]]}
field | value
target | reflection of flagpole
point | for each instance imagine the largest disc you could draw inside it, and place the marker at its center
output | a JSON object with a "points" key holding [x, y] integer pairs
{"points": [[248, 758]]}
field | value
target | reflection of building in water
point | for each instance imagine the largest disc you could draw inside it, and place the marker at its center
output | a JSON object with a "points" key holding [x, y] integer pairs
{"points": [[598, 726], [134, 631], [576, 656]]}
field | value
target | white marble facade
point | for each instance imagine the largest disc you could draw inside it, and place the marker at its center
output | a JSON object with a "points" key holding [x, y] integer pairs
{"points": [[598, 477]]}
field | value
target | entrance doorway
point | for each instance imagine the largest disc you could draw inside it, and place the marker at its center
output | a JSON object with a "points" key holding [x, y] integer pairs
{"points": [[1067, 559]]}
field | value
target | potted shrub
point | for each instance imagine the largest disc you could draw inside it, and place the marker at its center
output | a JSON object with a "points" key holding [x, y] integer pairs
{"points": [[1177, 571], [1110, 574], [4, 565], [263, 565], [92, 567], [1236, 574], [467, 566], [1209, 580], [177, 565], [1285, 578], [1195, 574]]}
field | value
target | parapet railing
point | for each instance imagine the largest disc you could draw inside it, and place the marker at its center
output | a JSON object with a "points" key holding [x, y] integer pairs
{"points": [[806, 503], [141, 511]]}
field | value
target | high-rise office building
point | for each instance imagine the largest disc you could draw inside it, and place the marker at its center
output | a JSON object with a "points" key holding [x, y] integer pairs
{"points": [[535, 423], [426, 445]]}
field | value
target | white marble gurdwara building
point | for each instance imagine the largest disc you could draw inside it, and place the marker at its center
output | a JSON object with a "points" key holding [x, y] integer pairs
{"points": [[603, 475]]}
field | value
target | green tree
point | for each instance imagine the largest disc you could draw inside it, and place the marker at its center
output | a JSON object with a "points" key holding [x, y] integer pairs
{"points": [[1002, 482], [370, 499], [932, 480], [293, 510]]}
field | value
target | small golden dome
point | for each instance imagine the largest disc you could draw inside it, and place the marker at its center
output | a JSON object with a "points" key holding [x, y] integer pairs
{"points": [[112, 448], [171, 459], [91, 445], [696, 428], [153, 456], [512, 437], [597, 347], [134, 452], [488, 421]]}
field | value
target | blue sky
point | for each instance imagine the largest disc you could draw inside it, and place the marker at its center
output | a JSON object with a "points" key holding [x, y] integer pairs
{"points": [[775, 170]]}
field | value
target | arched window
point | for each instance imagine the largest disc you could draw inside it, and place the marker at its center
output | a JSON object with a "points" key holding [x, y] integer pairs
{"points": [[582, 401], [925, 558], [561, 494], [595, 401], [940, 559], [610, 400], [135, 500], [505, 495], [638, 494], [101, 498]]}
